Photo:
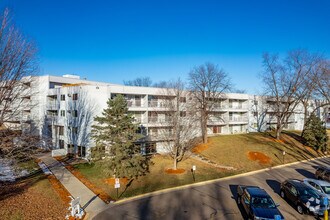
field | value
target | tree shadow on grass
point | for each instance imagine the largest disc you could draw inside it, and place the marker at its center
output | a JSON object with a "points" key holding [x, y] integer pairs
{"points": [[126, 187], [9, 189]]}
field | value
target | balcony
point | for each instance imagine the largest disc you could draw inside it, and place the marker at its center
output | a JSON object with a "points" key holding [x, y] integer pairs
{"points": [[156, 104], [135, 104], [240, 119], [218, 120], [54, 105], [140, 120], [157, 120], [218, 106], [238, 107]]}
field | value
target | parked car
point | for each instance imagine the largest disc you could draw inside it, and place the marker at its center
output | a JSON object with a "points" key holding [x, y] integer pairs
{"points": [[257, 203], [322, 173], [319, 185], [303, 197]]}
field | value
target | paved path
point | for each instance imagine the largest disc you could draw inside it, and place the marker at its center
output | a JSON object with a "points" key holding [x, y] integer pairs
{"points": [[88, 200], [213, 200]]}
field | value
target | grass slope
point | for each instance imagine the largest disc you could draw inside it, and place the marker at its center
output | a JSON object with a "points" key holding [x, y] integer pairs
{"points": [[230, 150]]}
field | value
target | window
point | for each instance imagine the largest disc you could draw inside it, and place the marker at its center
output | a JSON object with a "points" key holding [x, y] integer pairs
{"points": [[293, 190], [61, 130], [246, 199], [183, 99], [74, 113], [182, 114], [62, 113], [75, 96], [62, 97], [61, 143]]}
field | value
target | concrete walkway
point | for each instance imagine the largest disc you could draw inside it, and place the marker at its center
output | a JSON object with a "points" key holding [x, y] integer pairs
{"points": [[88, 200]]}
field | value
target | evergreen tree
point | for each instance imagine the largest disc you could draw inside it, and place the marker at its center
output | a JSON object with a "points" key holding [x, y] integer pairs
{"points": [[315, 133], [115, 135]]}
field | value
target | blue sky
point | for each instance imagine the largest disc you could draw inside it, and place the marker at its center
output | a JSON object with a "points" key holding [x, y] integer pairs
{"points": [[114, 41]]}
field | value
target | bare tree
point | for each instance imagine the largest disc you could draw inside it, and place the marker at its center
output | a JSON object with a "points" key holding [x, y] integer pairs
{"points": [[140, 81], [161, 84], [18, 64], [178, 131], [207, 85], [323, 81], [287, 83]]}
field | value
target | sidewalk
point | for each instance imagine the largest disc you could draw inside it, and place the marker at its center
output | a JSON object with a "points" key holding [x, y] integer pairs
{"points": [[88, 200]]}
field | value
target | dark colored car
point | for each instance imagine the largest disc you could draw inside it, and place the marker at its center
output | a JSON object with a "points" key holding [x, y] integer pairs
{"points": [[257, 203], [322, 173], [304, 198]]}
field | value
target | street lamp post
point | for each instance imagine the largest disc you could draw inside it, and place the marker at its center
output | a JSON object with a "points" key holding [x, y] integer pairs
{"points": [[193, 169]]}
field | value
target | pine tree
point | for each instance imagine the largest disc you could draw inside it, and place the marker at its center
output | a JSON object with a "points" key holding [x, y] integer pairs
{"points": [[315, 133], [115, 135]]}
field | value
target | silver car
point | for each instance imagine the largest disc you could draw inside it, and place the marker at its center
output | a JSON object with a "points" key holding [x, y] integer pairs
{"points": [[319, 185]]}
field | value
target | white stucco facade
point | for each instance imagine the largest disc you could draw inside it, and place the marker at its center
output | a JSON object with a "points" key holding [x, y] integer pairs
{"points": [[64, 109]]}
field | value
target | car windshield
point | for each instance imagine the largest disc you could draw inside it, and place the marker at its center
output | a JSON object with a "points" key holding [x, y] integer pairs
{"points": [[308, 192], [326, 189], [263, 202]]}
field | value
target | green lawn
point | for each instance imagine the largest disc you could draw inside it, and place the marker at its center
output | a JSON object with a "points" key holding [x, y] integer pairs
{"points": [[230, 150]]}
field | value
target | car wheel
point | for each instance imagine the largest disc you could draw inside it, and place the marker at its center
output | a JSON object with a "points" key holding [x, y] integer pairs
{"points": [[282, 194], [238, 200], [300, 209]]}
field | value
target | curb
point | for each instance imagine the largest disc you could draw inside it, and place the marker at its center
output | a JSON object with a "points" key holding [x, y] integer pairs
{"points": [[212, 181]]}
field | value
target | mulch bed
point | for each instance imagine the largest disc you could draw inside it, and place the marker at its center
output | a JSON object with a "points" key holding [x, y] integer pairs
{"points": [[200, 148], [260, 157], [172, 171]]}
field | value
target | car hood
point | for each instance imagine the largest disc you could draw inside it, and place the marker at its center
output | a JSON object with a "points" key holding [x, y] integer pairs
{"points": [[266, 212], [308, 201]]}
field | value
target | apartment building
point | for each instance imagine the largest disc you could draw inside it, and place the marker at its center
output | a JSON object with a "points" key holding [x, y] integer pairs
{"points": [[64, 109]]}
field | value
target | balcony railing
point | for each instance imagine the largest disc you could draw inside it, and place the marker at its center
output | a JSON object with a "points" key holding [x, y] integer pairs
{"points": [[156, 104], [238, 119], [220, 106], [53, 105], [140, 120], [243, 107], [135, 104], [158, 120]]}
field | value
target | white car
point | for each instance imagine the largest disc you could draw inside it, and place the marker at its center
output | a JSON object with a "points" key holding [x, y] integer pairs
{"points": [[319, 185]]}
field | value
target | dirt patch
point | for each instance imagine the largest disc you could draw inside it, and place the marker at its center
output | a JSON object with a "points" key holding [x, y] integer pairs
{"points": [[172, 171], [260, 157]]}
